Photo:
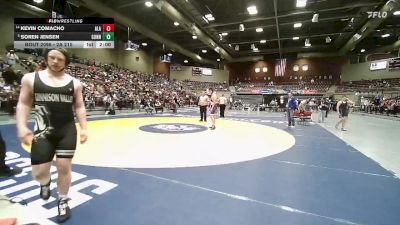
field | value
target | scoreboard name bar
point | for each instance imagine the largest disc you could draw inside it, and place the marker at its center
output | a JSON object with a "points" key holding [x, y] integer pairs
{"points": [[64, 28], [87, 20], [65, 36]]}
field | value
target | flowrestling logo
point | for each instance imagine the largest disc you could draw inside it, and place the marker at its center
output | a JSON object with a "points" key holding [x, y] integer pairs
{"points": [[173, 128], [22, 186], [377, 14]]}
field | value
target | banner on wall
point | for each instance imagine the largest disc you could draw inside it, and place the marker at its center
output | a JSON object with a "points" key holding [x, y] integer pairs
{"points": [[175, 67], [206, 71], [378, 65], [196, 71]]}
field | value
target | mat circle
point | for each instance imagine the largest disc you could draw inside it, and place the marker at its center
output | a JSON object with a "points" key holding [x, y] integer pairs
{"points": [[173, 128]]}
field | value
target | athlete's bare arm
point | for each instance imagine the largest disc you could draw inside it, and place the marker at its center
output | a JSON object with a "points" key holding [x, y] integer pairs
{"points": [[214, 98], [24, 108], [338, 105], [80, 110]]}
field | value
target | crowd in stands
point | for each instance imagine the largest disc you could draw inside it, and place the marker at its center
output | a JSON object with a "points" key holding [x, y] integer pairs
{"points": [[201, 85], [107, 85], [296, 87], [368, 86]]}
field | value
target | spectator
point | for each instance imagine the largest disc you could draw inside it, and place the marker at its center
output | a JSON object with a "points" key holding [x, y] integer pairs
{"points": [[12, 58]]}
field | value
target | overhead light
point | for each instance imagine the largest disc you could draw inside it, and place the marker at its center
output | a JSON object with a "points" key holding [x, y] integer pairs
{"points": [[255, 50], [194, 37], [169, 54], [252, 46], [216, 49], [315, 18], [328, 39], [148, 4], [185, 61], [241, 27], [263, 41], [344, 19], [396, 13], [198, 57], [259, 30], [205, 19], [236, 47], [224, 34], [211, 19], [385, 35], [257, 70], [252, 10], [297, 25], [301, 3], [229, 45], [218, 60], [265, 69], [204, 51], [357, 36], [38, 1], [144, 44], [176, 23], [296, 38], [362, 50]]}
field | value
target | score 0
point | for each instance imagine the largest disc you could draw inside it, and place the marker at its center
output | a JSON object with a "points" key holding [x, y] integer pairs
{"points": [[108, 27]]}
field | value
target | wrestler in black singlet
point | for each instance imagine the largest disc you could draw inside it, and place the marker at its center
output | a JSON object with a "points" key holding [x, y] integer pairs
{"points": [[344, 109], [55, 131]]}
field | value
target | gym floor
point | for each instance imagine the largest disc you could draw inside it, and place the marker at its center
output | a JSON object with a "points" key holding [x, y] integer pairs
{"points": [[170, 169]]}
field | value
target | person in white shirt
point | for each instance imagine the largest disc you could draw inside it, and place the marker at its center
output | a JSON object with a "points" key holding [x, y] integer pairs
{"points": [[222, 105], [203, 103]]}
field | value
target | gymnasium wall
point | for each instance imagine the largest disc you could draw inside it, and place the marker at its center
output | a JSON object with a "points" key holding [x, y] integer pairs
{"points": [[160, 67], [7, 28], [186, 74], [316, 67], [361, 71]]}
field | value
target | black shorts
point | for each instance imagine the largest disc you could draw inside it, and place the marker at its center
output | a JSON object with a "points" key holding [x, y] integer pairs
{"points": [[59, 142], [344, 114]]}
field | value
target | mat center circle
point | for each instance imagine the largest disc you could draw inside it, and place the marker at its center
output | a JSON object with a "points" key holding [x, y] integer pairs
{"points": [[173, 128]]}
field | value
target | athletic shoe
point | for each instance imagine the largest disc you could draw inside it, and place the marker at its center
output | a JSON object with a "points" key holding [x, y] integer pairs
{"points": [[344, 129], [8, 172], [45, 191], [212, 128], [64, 212]]}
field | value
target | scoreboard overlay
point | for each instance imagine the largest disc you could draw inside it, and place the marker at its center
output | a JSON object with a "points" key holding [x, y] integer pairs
{"points": [[63, 33]]}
